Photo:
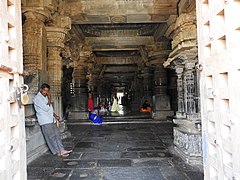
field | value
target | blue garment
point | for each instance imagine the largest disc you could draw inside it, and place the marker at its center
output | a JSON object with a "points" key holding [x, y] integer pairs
{"points": [[95, 118], [44, 112]]}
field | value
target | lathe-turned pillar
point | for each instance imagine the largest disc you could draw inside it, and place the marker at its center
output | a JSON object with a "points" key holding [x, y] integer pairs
{"points": [[34, 56], [55, 44], [190, 93], [180, 93], [147, 84], [161, 101], [35, 68], [92, 82], [136, 93], [80, 97]]}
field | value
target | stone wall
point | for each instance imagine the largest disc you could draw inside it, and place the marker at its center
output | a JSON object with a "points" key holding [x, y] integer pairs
{"points": [[12, 125], [218, 37]]}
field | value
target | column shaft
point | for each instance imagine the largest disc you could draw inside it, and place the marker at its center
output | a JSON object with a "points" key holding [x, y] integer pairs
{"points": [[161, 101]]}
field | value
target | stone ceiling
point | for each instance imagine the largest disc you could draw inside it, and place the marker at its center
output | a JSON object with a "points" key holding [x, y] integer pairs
{"points": [[118, 30]]}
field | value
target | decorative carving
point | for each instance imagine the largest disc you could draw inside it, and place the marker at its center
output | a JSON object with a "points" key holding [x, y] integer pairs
{"points": [[56, 40], [190, 84], [144, 54], [184, 36], [33, 51], [190, 144], [180, 90], [67, 56], [118, 19]]}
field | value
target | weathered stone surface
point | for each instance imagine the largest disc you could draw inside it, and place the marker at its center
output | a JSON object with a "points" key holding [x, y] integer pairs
{"points": [[114, 163], [133, 173], [77, 164], [157, 162], [190, 144], [184, 42], [138, 160], [93, 174], [60, 174], [119, 11], [101, 155]]}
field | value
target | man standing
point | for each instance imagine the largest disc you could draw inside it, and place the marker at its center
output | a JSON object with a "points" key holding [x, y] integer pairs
{"points": [[46, 119]]}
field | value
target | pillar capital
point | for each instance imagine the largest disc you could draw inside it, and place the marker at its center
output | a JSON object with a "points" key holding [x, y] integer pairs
{"points": [[184, 35], [42, 14], [190, 65], [85, 53], [55, 36], [55, 44], [179, 70], [57, 31]]}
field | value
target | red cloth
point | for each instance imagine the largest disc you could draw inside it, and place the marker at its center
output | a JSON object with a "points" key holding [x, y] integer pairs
{"points": [[90, 105]]}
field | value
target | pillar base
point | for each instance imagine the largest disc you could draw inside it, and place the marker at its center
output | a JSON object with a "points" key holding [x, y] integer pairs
{"points": [[188, 145], [162, 115], [180, 115], [36, 153], [135, 107]]}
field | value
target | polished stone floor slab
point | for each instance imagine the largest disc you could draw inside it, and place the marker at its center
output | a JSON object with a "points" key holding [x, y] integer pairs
{"points": [[116, 151]]}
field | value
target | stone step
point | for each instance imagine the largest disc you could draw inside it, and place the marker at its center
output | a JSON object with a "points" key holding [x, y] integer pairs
{"points": [[114, 121]]}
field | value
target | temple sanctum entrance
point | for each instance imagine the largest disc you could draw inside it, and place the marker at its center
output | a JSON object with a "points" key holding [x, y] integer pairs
{"points": [[181, 56]]}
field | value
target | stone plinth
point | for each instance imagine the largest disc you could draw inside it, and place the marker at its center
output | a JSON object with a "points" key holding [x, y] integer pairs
{"points": [[188, 145], [162, 107], [35, 142]]}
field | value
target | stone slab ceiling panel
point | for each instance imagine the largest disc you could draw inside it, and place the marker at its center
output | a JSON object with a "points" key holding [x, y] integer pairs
{"points": [[119, 11]]}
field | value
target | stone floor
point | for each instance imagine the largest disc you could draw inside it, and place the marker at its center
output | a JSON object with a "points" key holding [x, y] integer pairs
{"points": [[121, 151]]}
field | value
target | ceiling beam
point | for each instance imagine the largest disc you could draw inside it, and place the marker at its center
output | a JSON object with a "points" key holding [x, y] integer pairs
{"points": [[101, 48], [121, 73], [118, 60], [119, 41], [77, 32], [115, 69]]}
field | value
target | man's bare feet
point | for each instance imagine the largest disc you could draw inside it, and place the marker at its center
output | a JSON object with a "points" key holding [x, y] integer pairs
{"points": [[63, 155], [66, 152]]}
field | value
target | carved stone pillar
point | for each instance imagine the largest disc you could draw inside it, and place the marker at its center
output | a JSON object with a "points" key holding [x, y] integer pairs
{"points": [[55, 44], [80, 97], [187, 135], [92, 77], [147, 84], [137, 93], [161, 101], [190, 90], [34, 61], [172, 88], [92, 82], [34, 56], [180, 91]]}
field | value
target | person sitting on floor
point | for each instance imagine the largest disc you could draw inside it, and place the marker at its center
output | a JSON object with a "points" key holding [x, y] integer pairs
{"points": [[102, 108], [146, 107]]}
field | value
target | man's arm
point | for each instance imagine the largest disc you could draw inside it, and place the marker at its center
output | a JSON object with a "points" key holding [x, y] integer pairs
{"points": [[56, 116], [41, 104], [49, 98]]}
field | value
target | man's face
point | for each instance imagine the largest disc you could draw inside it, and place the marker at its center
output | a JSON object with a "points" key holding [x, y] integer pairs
{"points": [[44, 91]]}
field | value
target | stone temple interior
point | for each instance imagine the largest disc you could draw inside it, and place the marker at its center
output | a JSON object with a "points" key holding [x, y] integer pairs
{"points": [[142, 49], [174, 53]]}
